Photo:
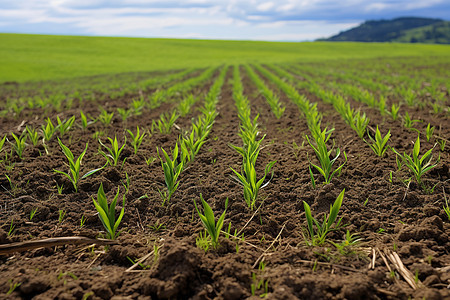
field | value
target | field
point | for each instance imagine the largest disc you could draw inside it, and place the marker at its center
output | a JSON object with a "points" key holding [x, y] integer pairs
{"points": [[280, 178], [39, 57]]}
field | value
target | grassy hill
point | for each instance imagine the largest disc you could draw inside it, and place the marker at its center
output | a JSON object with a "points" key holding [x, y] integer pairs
{"points": [[42, 57], [404, 30], [438, 33]]}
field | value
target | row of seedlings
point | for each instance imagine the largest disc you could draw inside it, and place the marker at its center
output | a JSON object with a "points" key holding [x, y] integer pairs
{"points": [[272, 99], [319, 137], [251, 147], [166, 121], [417, 165], [189, 144]]}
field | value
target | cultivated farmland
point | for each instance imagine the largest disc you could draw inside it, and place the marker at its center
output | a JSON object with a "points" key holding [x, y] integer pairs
{"points": [[317, 180]]}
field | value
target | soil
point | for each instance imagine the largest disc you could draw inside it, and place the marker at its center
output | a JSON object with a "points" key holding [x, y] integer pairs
{"points": [[270, 257]]}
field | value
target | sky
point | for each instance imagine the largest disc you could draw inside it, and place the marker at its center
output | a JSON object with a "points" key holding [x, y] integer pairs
{"points": [[268, 20]]}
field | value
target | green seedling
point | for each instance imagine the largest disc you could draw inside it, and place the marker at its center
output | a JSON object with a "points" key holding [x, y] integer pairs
{"points": [[259, 282], [114, 151], [65, 125], [11, 184], [61, 215], [59, 188], [447, 208], [83, 221], [124, 113], [311, 175], [394, 111], [2, 142], [126, 184], [360, 123], [408, 122], [157, 227], [166, 122], [209, 222], [33, 213], [317, 236], [184, 106], [150, 160], [48, 130], [84, 121], [248, 180], [136, 139], [74, 166], [19, 144], [347, 246], [32, 135], [410, 97], [172, 170], [107, 214], [441, 143], [191, 145], [418, 166], [429, 132], [105, 117], [11, 228], [379, 144], [12, 286], [323, 155], [138, 105]]}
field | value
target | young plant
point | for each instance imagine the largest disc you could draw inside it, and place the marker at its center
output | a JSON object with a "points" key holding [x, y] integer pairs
{"points": [[136, 139], [185, 105], [347, 246], [379, 144], [360, 123], [107, 214], [113, 152], [441, 143], [2, 142], [61, 215], [209, 222], [166, 121], [33, 213], [317, 236], [105, 117], [323, 155], [84, 121], [32, 135], [394, 111], [19, 145], [418, 166], [74, 166], [172, 170], [48, 130], [11, 228], [83, 221], [124, 113], [447, 209], [65, 125], [408, 122], [191, 145], [250, 183], [429, 132], [137, 106]]}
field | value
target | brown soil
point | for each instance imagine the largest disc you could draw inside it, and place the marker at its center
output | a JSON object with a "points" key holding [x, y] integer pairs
{"points": [[385, 216]]}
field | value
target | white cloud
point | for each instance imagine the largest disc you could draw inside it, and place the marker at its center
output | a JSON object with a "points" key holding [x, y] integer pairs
{"points": [[260, 19], [266, 6]]}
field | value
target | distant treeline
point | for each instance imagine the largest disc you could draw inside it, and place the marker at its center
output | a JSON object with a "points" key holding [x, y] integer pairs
{"points": [[402, 30]]}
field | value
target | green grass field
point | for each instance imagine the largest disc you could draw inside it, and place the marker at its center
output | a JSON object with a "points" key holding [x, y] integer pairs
{"points": [[43, 57]]}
